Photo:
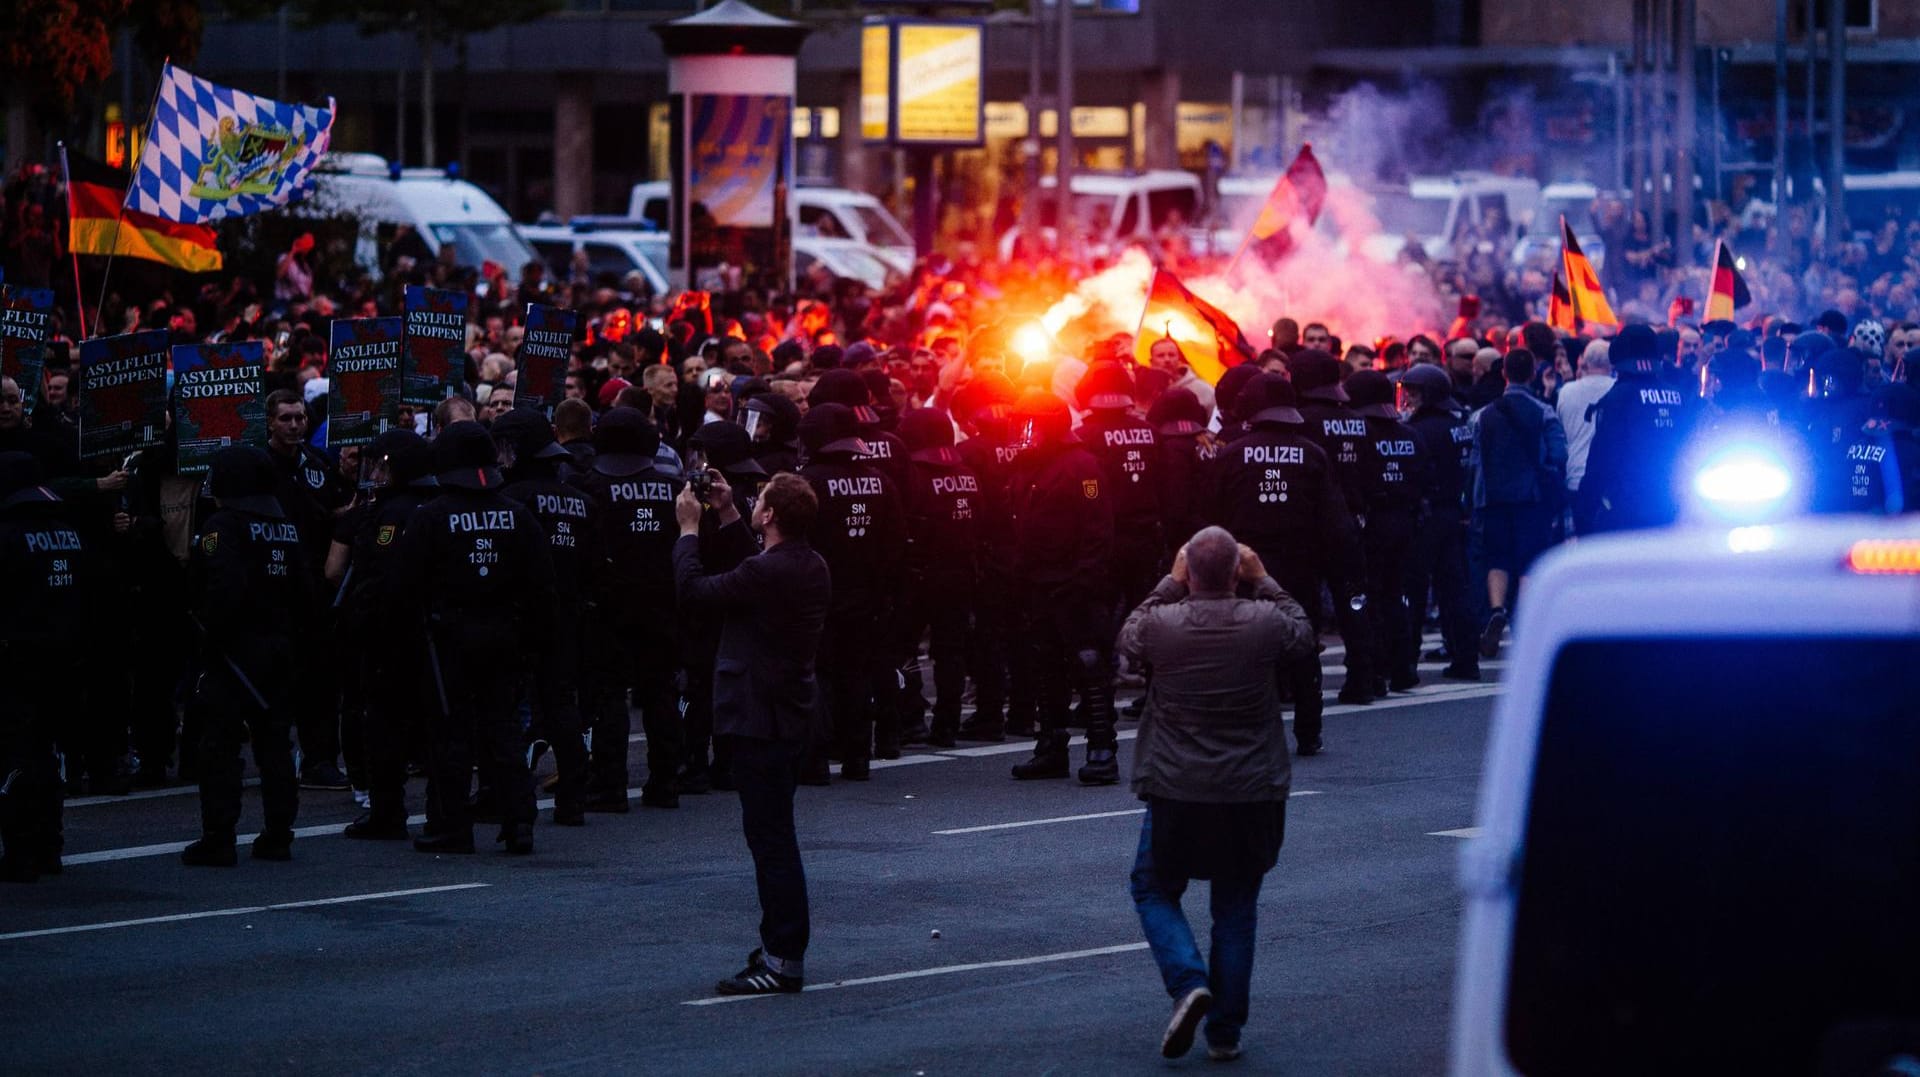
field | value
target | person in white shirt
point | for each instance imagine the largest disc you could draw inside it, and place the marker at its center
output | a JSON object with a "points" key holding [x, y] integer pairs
{"points": [[1596, 377]]}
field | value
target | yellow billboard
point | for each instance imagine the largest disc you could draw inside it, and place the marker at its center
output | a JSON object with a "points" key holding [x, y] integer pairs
{"points": [[939, 84], [876, 62]]}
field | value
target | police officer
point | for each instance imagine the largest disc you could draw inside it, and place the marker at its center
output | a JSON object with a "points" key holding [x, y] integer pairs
{"points": [[885, 451], [1396, 478], [532, 462], [1128, 450], [1437, 564], [943, 530], [44, 571], [1186, 452], [391, 653], [1854, 462], [255, 598], [631, 617], [1339, 433], [312, 492], [480, 583], [1639, 430], [1275, 491], [1003, 692], [1062, 519], [861, 532], [773, 423], [728, 449]]}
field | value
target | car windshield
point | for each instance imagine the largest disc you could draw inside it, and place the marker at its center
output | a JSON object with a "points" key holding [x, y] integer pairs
{"points": [[857, 264], [1720, 859], [1402, 214], [477, 243], [882, 230], [1577, 211], [656, 256]]}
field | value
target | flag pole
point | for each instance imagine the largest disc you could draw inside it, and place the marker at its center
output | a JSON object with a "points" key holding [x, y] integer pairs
{"points": [[79, 297], [118, 218]]}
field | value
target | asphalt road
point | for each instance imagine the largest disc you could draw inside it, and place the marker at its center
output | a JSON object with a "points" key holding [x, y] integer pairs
{"points": [[598, 953]]}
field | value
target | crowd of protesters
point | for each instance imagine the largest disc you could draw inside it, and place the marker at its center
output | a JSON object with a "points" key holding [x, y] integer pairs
{"points": [[1000, 513]]}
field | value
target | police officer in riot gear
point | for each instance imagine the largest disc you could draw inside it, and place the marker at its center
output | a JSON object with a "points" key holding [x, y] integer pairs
{"points": [[532, 462], [1437, 563], [1339, 433], [255, 598], [1855, 465], [1275, 491], [861, 532], [884, 451], [1062, 516], [479, 580], [728, 449], [631, 618], [1003, 696], [1186, 450], [943, 529], [1639, 431], [44, 571], [772, 422], [392, 655], [1128, 450], [1395, 475]]}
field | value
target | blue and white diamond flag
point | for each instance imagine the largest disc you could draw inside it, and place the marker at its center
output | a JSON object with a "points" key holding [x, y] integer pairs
{"points": [[214, 152]]}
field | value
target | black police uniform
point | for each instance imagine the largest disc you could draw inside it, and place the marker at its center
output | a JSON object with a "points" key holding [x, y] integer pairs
{"points": [[1128, 449], [861, 532], [44, 580], [1003, 688], [570, 520], [390, 649], [312, 490], [631, 614], [481, 584], [1275, 492], [1186, 452], [1063, 537], [256, 601], [1397, 480], [1438, 564], [1340, 433], [728, 449], [943, 528], [1640, 428]]}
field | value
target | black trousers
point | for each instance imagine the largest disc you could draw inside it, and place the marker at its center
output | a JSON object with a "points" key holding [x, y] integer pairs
{"points": [[230, 717], [637, 660], [850, 666], [30, 810], [1438, 563], [1388, 542], [481, 714], [557, 716], [1303, 676], [942, 609], [317, 714], [1138, 552], [766, 771], [995, 651], [396, 697], [1071, 647]]}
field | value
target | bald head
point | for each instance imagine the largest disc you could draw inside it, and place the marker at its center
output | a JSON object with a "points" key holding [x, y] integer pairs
{"points": [[1594, 360], [1213, 560], [1484, 360]]}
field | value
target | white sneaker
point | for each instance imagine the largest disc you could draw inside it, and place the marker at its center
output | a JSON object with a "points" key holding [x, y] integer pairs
{"points": [[362, 798], [1223, 1053], [1187, 1014]]}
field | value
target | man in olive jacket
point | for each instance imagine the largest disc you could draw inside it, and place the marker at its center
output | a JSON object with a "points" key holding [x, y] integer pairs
{"points": [[1211, 762]]}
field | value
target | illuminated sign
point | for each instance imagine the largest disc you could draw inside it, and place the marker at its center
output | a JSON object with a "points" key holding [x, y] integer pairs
{"points": [[876, 74], [921, 82]]}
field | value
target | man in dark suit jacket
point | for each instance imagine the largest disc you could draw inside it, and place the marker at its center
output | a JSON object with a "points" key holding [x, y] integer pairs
{"points": [[774, 606]]}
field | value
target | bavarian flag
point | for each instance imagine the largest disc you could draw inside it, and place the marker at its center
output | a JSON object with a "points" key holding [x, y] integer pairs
{"points": [[1728, 292], [1209, 340], [95, 193], [213, 151], [1589, 299], [1560, 307]]}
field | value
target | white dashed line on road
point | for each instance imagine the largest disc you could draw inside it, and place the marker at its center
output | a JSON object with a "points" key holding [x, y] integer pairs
{"points": [[245, 910], [943, 970], [1463, 832]]}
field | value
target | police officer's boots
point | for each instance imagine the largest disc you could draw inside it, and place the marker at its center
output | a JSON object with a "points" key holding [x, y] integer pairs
{"points": [[211, 851], [1049, 760]]}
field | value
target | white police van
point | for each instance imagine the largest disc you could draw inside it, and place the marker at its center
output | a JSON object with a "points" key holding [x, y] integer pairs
{"points": [[1697, 846]]}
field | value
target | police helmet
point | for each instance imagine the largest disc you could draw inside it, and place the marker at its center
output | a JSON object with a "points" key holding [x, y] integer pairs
{"points": [[528, 434], [1106, 386], [624, 442], [1316, 376], [1268, 398], [1431, 382], [847, 388], [929, 435], [1177, 413], [728, 448], [1372, 394], [1226, 392], [1041, 418], [464, 456], [831, 428], [20, 479], [1635, 350], [241, 478]]}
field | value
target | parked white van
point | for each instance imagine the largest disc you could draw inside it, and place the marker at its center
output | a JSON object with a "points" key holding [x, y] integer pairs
{"points": [[1432, 211], [1113, 209], [444, 209], [826, 212]]}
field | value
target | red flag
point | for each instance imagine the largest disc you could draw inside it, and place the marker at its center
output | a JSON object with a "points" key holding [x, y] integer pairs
{"points": [[1728, 292], [1583, 284], [1560, 307], [1207, 337], [1299, 192]]}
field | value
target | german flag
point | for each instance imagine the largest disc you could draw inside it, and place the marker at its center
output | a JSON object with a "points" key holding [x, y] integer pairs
{"points": [[1208, 338], [1728, 292], [95, 194], [1560, 307], [1583, 284]]}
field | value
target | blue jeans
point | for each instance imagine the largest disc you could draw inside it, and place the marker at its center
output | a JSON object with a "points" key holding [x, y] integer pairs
{"points": [[1235, 904]]}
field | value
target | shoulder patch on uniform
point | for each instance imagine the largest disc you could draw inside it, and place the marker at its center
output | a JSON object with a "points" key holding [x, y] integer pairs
{"points": [[384, 536], [1091, 488], [210, 542]]}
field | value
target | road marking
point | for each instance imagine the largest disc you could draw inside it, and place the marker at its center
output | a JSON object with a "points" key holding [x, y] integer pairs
{"points": [[1075, 818], [908, 761], [943, 970], [1463, 832], [245, 910]]}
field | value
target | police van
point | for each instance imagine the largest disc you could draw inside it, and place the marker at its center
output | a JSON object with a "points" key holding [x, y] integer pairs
{"points": [[1697, 843]]}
